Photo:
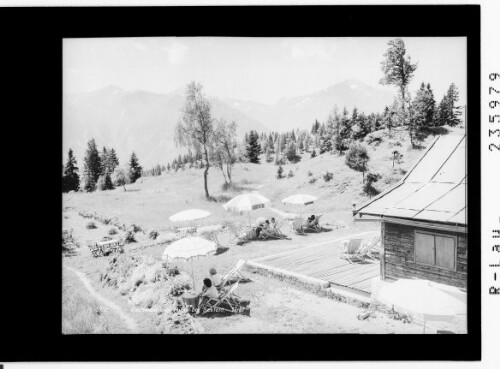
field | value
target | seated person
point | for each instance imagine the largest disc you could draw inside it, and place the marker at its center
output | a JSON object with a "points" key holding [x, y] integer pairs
{"points": [[311, 220], [208, 291], [272, 222], [215, 277]]}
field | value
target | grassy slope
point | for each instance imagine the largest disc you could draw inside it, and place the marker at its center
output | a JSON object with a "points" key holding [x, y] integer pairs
{"points": [[152, 200]]}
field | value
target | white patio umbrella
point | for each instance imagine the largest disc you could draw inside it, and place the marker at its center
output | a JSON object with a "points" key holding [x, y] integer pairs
{"points": [[189, 215], [433, 301], [188, 248], [300, 199], [246, 202]]}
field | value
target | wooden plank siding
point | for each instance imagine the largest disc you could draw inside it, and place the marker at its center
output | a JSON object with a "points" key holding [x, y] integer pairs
{"points": [[399, 256]]}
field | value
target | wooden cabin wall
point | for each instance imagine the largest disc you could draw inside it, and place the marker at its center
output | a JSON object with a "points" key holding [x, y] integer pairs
{"points": [[398, 256]]}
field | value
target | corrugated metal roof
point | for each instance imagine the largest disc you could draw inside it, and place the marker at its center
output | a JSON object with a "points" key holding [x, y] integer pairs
{"points": [[433, 190]]}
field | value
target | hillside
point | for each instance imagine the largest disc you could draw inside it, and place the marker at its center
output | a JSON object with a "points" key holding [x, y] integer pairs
{"points": [[151, 200]]}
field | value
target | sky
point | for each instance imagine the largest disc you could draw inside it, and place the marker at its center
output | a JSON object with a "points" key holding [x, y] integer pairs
{"points": [[257, 69]]}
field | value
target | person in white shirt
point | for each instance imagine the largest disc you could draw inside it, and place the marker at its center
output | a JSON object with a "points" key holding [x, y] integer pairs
{"points": [[208, 291], [215, 277]]}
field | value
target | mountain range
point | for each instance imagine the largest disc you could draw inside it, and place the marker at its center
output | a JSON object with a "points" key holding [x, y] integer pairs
{"points": [[144, 122]]}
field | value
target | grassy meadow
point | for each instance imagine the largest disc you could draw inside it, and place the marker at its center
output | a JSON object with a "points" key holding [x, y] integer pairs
{"points": [[276, 307]]}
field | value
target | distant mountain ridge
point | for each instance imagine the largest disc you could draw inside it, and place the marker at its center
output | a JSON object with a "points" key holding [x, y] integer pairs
{"points": [[138, 121], [144, 122], [301, 111]]}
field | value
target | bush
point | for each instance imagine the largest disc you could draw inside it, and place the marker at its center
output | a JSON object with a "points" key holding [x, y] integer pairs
{"points": [[130, 237], [312, 180], [313, 154], [368, 186], [310, 173], [328, 176], [135, 228], [279, 173], [91, 225], [290, 174], [112, 231], [357, 158], [153, 234]]}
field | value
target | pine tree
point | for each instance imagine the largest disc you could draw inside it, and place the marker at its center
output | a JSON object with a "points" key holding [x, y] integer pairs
{"points": [[291, 152], [135, 170], [104, 160], [453, 111], [397, 68], [113, 161], [71, 180], [91, 167], [253, 149], [424, 106]]}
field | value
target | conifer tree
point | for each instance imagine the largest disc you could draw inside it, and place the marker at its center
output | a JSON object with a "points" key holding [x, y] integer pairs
{"points": [[113, 161], [71, 180], [253, 149], [91, 167], [135, 170], [453, 111], [397, 68]]}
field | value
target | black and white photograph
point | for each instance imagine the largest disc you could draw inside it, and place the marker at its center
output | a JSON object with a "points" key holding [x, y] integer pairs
{"points": [[264, 185]]}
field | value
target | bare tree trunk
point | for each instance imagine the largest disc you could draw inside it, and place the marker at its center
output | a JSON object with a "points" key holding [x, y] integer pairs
{"points": [[205, 174]]}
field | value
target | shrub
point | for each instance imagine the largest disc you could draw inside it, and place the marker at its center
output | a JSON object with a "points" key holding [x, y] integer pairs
{"points": [[290, 174], [313, 154], [368, 186], [112, 231], [357, 158], [130, 237], [279, 173], [153, 234], [310, 173], [312, 180], [135, 228], [328, 176], [91, 225]]}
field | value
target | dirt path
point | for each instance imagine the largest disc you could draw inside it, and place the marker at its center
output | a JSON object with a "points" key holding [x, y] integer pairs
{"points": [[131, 324]]}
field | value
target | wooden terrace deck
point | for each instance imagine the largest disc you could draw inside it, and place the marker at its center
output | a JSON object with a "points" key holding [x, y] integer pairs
{"points": [[323, 262]]}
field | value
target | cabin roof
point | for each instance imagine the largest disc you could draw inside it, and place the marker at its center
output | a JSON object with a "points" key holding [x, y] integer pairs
{"points": [[433, 190]]}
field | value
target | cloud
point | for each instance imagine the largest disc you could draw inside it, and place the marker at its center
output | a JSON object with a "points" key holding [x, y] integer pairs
{"points": [[308, 48], [176, 52]]}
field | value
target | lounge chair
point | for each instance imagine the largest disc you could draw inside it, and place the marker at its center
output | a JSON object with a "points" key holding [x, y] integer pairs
{"points": [[227, 302], [95, 249], [232, 274], [350, 250], [314, 225], [372, 247], [238, 234], [298, 226], [273, 232]]}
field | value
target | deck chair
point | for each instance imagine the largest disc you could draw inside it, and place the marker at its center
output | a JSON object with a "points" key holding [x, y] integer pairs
{"points": [[238, 234], [95, 249], [273, 233], [298, 226], [350, 250], [372, 247], [314, 226], [227, 302], [233, 273]]}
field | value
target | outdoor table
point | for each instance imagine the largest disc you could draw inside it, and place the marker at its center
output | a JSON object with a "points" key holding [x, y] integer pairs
{"points": [[106, 245], [190, 299]]}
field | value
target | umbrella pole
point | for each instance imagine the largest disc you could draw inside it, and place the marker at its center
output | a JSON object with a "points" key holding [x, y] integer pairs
{"points": [[192, 275], [424, 325]]}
